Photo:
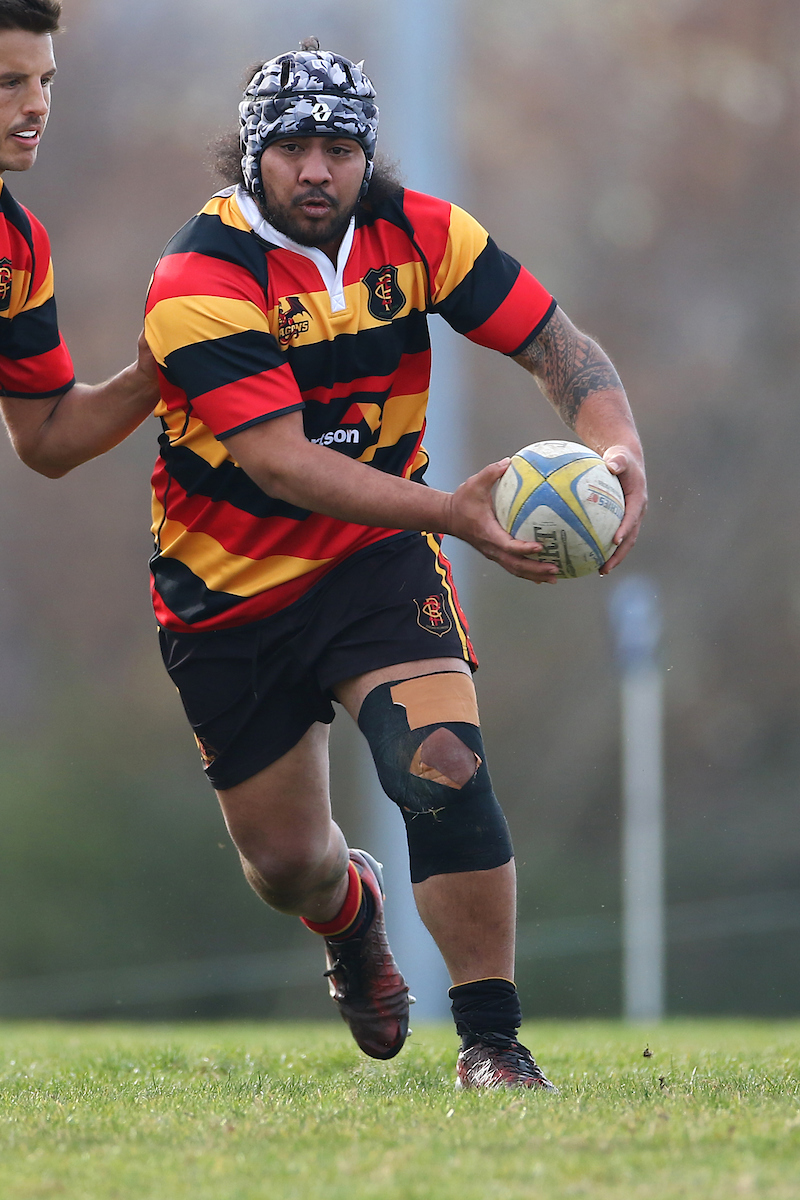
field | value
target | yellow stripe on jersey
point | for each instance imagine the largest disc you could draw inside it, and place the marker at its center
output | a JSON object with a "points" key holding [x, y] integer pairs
{"points": [[324, 325], [466, 239], [231, 573], [186, 320], [401, 415], [371, 414], [44, 293], [197, 437], [228, 211]]}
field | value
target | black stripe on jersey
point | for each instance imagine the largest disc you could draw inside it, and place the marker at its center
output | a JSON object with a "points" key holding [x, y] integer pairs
{"points": [[60, 391], [392, 211], [185, 594], [15, 214], [203, 366], [319, 416], [392, 460], [30, 333], [227, 483], [352, 356], [481, 291], [207, 234]]}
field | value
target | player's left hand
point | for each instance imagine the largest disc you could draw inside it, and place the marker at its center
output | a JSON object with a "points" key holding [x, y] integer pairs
{"points": [[472, 519], [628, 466]]}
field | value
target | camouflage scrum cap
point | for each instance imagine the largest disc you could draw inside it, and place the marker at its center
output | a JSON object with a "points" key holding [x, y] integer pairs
{"points": [[308, 93]]}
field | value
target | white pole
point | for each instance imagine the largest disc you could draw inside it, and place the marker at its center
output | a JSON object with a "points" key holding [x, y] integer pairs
{"points": [[419, 127], [637, 620]]}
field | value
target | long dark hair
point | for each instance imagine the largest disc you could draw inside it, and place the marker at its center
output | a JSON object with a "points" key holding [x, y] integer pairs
{"points": [[227, 164]]}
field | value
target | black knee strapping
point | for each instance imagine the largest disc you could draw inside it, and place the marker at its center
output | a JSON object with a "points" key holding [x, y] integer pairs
{"points": [[450, 828]]}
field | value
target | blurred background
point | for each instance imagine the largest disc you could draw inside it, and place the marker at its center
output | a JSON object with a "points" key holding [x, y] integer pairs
{"points": [[641, 160]]}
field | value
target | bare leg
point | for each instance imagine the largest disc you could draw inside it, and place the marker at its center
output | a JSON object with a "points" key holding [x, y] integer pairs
{"points": [[293, 854], [471, 915]]}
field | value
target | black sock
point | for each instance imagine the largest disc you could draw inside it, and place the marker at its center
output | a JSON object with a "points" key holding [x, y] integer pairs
{"points": [[487, 1006]]}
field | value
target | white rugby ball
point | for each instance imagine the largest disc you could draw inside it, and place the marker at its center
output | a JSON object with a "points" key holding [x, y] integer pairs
{"points": [[563, 495]]}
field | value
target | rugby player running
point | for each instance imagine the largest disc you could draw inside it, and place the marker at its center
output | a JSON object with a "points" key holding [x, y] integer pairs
{"points": [[297, 550]]}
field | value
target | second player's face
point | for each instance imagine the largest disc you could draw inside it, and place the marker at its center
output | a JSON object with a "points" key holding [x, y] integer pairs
{"points": [[311, 186], [27, 68]]}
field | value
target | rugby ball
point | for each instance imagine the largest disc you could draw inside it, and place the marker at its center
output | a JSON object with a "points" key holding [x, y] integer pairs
{"points": [[563, 495]]}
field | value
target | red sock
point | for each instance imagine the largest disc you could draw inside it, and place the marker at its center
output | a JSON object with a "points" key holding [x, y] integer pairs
{"points": [[346, 914]]}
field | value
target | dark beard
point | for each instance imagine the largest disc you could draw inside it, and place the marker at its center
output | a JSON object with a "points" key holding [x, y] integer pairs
{"points": [[285, 221]]}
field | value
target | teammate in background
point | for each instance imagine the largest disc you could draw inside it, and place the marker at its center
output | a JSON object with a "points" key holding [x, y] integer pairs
{"points": [[51, 418], [297, 551]]}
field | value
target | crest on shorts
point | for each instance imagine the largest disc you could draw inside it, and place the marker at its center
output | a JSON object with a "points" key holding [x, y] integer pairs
{"points": [[433, 615], [386, 297], [6, 280], [207, 752]]}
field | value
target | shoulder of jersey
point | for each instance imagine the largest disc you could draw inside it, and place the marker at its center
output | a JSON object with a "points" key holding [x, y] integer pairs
{"points": [[218, 231]]}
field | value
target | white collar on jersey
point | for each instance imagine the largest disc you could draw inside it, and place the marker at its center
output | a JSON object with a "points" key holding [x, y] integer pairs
{"points": [[332, 277]]}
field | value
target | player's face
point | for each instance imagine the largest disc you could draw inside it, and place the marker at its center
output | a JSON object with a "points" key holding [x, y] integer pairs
{"points": [[311, 186], [27, 68]]}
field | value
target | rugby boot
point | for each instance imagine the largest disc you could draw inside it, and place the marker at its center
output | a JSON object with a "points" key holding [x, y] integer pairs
{"points": [[363, 978], [494, 1061]]}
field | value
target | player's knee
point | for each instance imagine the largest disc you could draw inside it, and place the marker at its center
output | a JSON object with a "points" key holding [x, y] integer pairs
{"points": [[428, 751], [444, 757], [286, 870]]}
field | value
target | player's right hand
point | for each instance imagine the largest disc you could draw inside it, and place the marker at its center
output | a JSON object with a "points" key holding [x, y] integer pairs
{"points": [[472, 519]]}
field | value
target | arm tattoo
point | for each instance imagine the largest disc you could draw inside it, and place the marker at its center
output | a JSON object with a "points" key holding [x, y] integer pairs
{"points": [[568, 366]]}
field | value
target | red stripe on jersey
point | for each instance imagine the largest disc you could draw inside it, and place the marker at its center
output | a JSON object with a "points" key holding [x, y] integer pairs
{"points": [[265, 603], [20, 254], [173, 396], [430, 218], [39, 375], [381, 242], [194, 274], [246, 400], [412, 376], [41, 246], [518, 315], [293, 274], [237, 533]]}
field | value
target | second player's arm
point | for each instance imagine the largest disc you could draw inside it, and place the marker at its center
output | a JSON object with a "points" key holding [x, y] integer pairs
{"points": [[580, 381], [278, 457], [52, 436]]}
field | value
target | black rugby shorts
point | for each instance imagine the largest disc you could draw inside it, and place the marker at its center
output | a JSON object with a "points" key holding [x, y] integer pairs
{"points": [[252, 692]]}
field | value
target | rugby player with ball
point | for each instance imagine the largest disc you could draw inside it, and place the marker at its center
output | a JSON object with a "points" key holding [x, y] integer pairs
{"points": [[297, 549]]}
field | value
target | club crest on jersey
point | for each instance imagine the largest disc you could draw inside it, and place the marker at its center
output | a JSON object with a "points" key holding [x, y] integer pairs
{"points": [[290, 319], [6, 280], [386, 297], [433, 616]]}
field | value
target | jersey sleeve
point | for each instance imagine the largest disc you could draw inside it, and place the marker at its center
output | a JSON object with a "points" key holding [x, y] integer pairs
{"points": [[481, 291], [206, 324], [34, 360]]}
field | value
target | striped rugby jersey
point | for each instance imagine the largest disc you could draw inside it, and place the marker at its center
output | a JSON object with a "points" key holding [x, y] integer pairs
{"points": [[34, 361], [246, 326]]}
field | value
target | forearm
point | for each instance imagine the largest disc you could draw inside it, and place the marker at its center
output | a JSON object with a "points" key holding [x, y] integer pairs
{"points": [[314, 477], [580, 381], [53, 436]]}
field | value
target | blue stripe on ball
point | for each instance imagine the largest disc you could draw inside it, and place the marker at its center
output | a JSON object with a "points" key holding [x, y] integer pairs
{"points": [[546, 496]]}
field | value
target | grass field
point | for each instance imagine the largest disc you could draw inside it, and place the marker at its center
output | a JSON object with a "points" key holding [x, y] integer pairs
{"points": [[235, 1112]]}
